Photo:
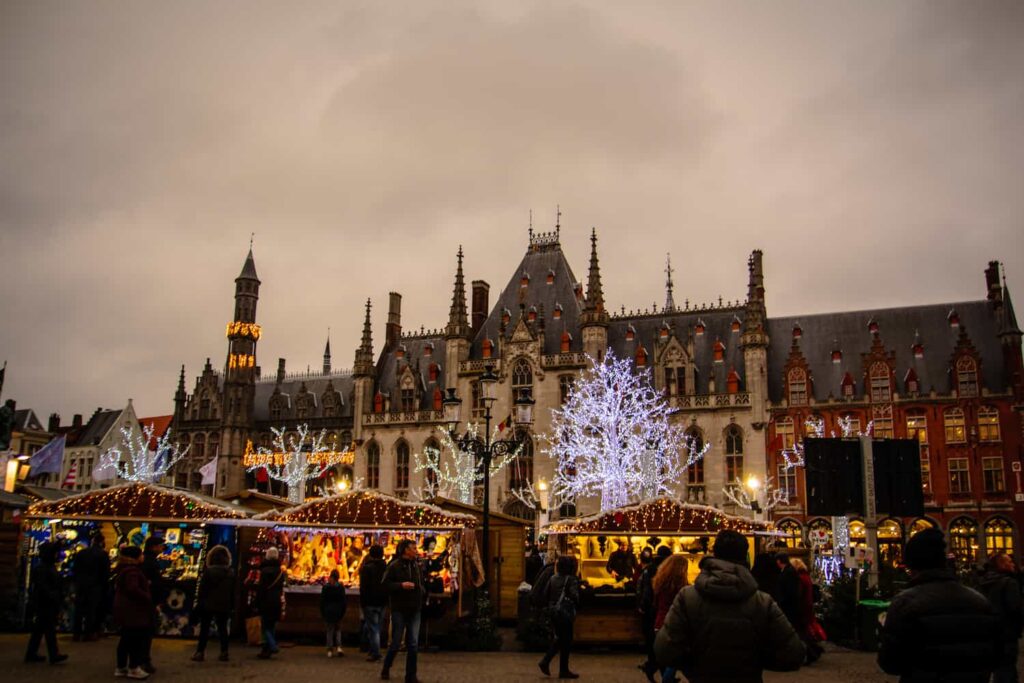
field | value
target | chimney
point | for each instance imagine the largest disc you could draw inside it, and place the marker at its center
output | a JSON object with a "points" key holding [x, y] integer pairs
{"points": [[54, 424], [280, 370], [995, 292], [76, 420], [481, 294], [393, 330]]}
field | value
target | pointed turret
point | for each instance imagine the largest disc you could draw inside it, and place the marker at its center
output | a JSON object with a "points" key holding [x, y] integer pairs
{"points": [[458, 317], [670, 304], [755, 314], [327, 355], [364, 366], [593, 309], [1008, 326], [248, 268]]}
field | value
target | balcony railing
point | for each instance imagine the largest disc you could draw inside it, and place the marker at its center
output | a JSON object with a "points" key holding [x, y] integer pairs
{"points": [[404, 417], [710, 400]]}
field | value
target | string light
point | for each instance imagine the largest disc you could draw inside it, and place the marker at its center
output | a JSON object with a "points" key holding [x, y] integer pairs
{"points": [[614, 439], [133, 501], [133, 460], [371, 509], [240, 329], [298, 458], [747, 496], [456, 476], [661, 515]]}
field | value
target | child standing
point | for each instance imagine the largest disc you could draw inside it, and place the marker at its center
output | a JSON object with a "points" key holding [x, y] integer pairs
{"points": [[332, 609]]}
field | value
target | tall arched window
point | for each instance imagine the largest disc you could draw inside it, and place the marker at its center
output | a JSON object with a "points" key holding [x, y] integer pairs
{"points": [[522, 376], [372, 465], [988, 424], [966, 377], [733, 440], [695, 490], [956, 431], [785, 434], [733, 455], [401, 467], [998, 536], [198, 446], [963, 539], [213, 445], [879, 379], [520, 471], [797, 380], [792, 533]]}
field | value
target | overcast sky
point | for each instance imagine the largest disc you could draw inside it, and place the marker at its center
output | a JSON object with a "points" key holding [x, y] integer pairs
{"points": [[872, 149]]}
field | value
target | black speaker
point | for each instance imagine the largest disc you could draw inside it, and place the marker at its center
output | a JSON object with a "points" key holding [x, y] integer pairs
{"points": [[898, 477], [835, 483]]}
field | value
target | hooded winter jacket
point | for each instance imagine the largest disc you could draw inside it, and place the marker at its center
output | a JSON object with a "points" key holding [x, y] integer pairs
{"points": [[1003, 592], [723, 629], [217, 590], [269, 590], [133, 602], [938, 630]]}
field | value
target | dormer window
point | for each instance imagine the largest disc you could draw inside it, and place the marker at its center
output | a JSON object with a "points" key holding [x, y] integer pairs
{"points": [[558, 312], [966, 377], [797, 381], [438, 398], [797, 331], [506, 316], [698, 329], [732, 382], [872, 326], [641, 357], [400, 353], [630, 333], [837, 356], [486, 348], [719, 351], [565, 342], [532, 314], [663, 332], [428, 350], [879, 379], [849, 386], [524, 281], [551, 277], [378, 403], [433, 370], [918, 350], [913, 386], [953, 318], [735, 324]]}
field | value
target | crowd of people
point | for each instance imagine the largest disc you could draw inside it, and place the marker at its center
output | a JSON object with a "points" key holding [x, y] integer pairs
{"points": [[731, 624]]}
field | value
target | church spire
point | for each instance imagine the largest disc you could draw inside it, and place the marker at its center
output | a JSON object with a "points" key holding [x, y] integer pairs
{"points": [[670, 304], [458, 318], [327, 354], [364, 354], [593, 309]]}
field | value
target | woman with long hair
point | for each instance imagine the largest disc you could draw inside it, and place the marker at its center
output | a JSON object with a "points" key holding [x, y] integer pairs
{"points": [[672, 576]]}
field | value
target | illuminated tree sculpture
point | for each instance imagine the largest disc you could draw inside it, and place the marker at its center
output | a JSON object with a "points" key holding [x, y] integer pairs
{"points": [[297, 457], [614, 439], [748, 495], [815, 426], [452, 472], [134, 459]]}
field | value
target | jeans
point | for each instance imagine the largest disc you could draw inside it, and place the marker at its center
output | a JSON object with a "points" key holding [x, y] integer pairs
{"points": [[333, 634], [410, 625], [372, 618], [561, 644], [204, 630], [131, 648], [269, 635], [88, 601], [43, 628]]}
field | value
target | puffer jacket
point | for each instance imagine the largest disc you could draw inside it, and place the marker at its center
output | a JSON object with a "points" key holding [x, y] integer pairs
{"points": [[371, 587], [333, 603], [133, 602], [723, 629], [217, 590], [406, 601], [938, 630], [1003, 593]]}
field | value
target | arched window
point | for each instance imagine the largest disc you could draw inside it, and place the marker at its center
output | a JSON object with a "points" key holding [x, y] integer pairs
{"points": [[890, 542], [522, 376], [408, 394], [198, 447], [675, 380], [785, 434], [858, 533], [695, 491], [956, 431], [998, 536], [733, 455], [919, 525], [520, 471], [988, 424], [401, 468], [879, 379], [277, 406], [372, 465], [213, 445], [966, 377], [963, 539], [792, 533], [733, 440], [797, 387]]}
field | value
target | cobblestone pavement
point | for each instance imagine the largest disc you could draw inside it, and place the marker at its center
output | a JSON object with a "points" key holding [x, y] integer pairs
{"points": [[95, 661]]}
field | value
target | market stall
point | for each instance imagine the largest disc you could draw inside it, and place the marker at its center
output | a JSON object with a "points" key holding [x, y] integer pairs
{"points": [[609, 544], [187, 522], [335, 533]]}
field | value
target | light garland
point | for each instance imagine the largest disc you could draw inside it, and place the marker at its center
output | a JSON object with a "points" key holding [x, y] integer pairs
{"points": [[794, 455], [743, 495], [371, 509], [241, 360], [240, 329], [456, 476], [614, 439], [133, 460], [260, 458], [660, 515], [133, 501], [298, 457]]}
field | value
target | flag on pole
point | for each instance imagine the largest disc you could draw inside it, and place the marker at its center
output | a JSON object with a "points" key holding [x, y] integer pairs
{"points": [[209, 472], [506, 423], [49, 459], [72, 478]]}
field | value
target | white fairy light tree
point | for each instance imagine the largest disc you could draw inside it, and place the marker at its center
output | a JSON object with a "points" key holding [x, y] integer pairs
{"points": [[297, 457], [614, 439], [748, 495], [815, 427], [134, 460], [452, 472]]}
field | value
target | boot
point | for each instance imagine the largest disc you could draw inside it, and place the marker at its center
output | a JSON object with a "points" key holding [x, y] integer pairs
{"points": [[568, 674], [385, 674]]}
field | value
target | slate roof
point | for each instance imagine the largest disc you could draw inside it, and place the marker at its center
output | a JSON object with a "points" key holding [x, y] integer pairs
{"points": [[249, 268], [897, 328], [315, 384], [26, 420], [101, 422], [391, 367], [537, 263]]}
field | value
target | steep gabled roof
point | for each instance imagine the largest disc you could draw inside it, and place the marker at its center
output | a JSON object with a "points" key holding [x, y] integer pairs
{"points": [[98, 426]]}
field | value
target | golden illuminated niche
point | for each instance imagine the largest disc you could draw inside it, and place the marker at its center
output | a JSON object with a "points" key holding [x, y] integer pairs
{"points": [[253, 458], [240, 329], [241, 360]]}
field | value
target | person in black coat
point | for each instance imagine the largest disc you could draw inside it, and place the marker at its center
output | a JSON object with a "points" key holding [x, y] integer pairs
{"points": [[937, 629], [332, 609], [215, 600], [999, 584], [788, 590], [373, 598], [269, 596], [647, 609], [403, 580], [90, 570], [563, 599], [46, 596], [534, 563], [158, 590]]}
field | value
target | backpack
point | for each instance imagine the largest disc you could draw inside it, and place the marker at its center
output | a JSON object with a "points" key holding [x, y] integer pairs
{"points": [[539, 591], [564, 610]]}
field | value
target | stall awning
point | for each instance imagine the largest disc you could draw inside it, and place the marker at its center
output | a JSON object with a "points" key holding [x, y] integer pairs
{"points": [[137, 501], [659, 515], [359, 509]]}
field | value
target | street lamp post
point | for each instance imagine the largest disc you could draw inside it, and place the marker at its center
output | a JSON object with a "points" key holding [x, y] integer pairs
{"points": [[486, 450], [754, 484]]}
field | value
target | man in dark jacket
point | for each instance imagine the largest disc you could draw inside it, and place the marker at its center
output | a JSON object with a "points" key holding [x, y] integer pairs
{"points": [[90, 570], [936, 629], [722, 628], [373, 598], [269, 592], [46, 596], [151, 551], [403, 580], [1000, 586], [788, 590], [645, 605], [621, 563], [215, 600]]}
